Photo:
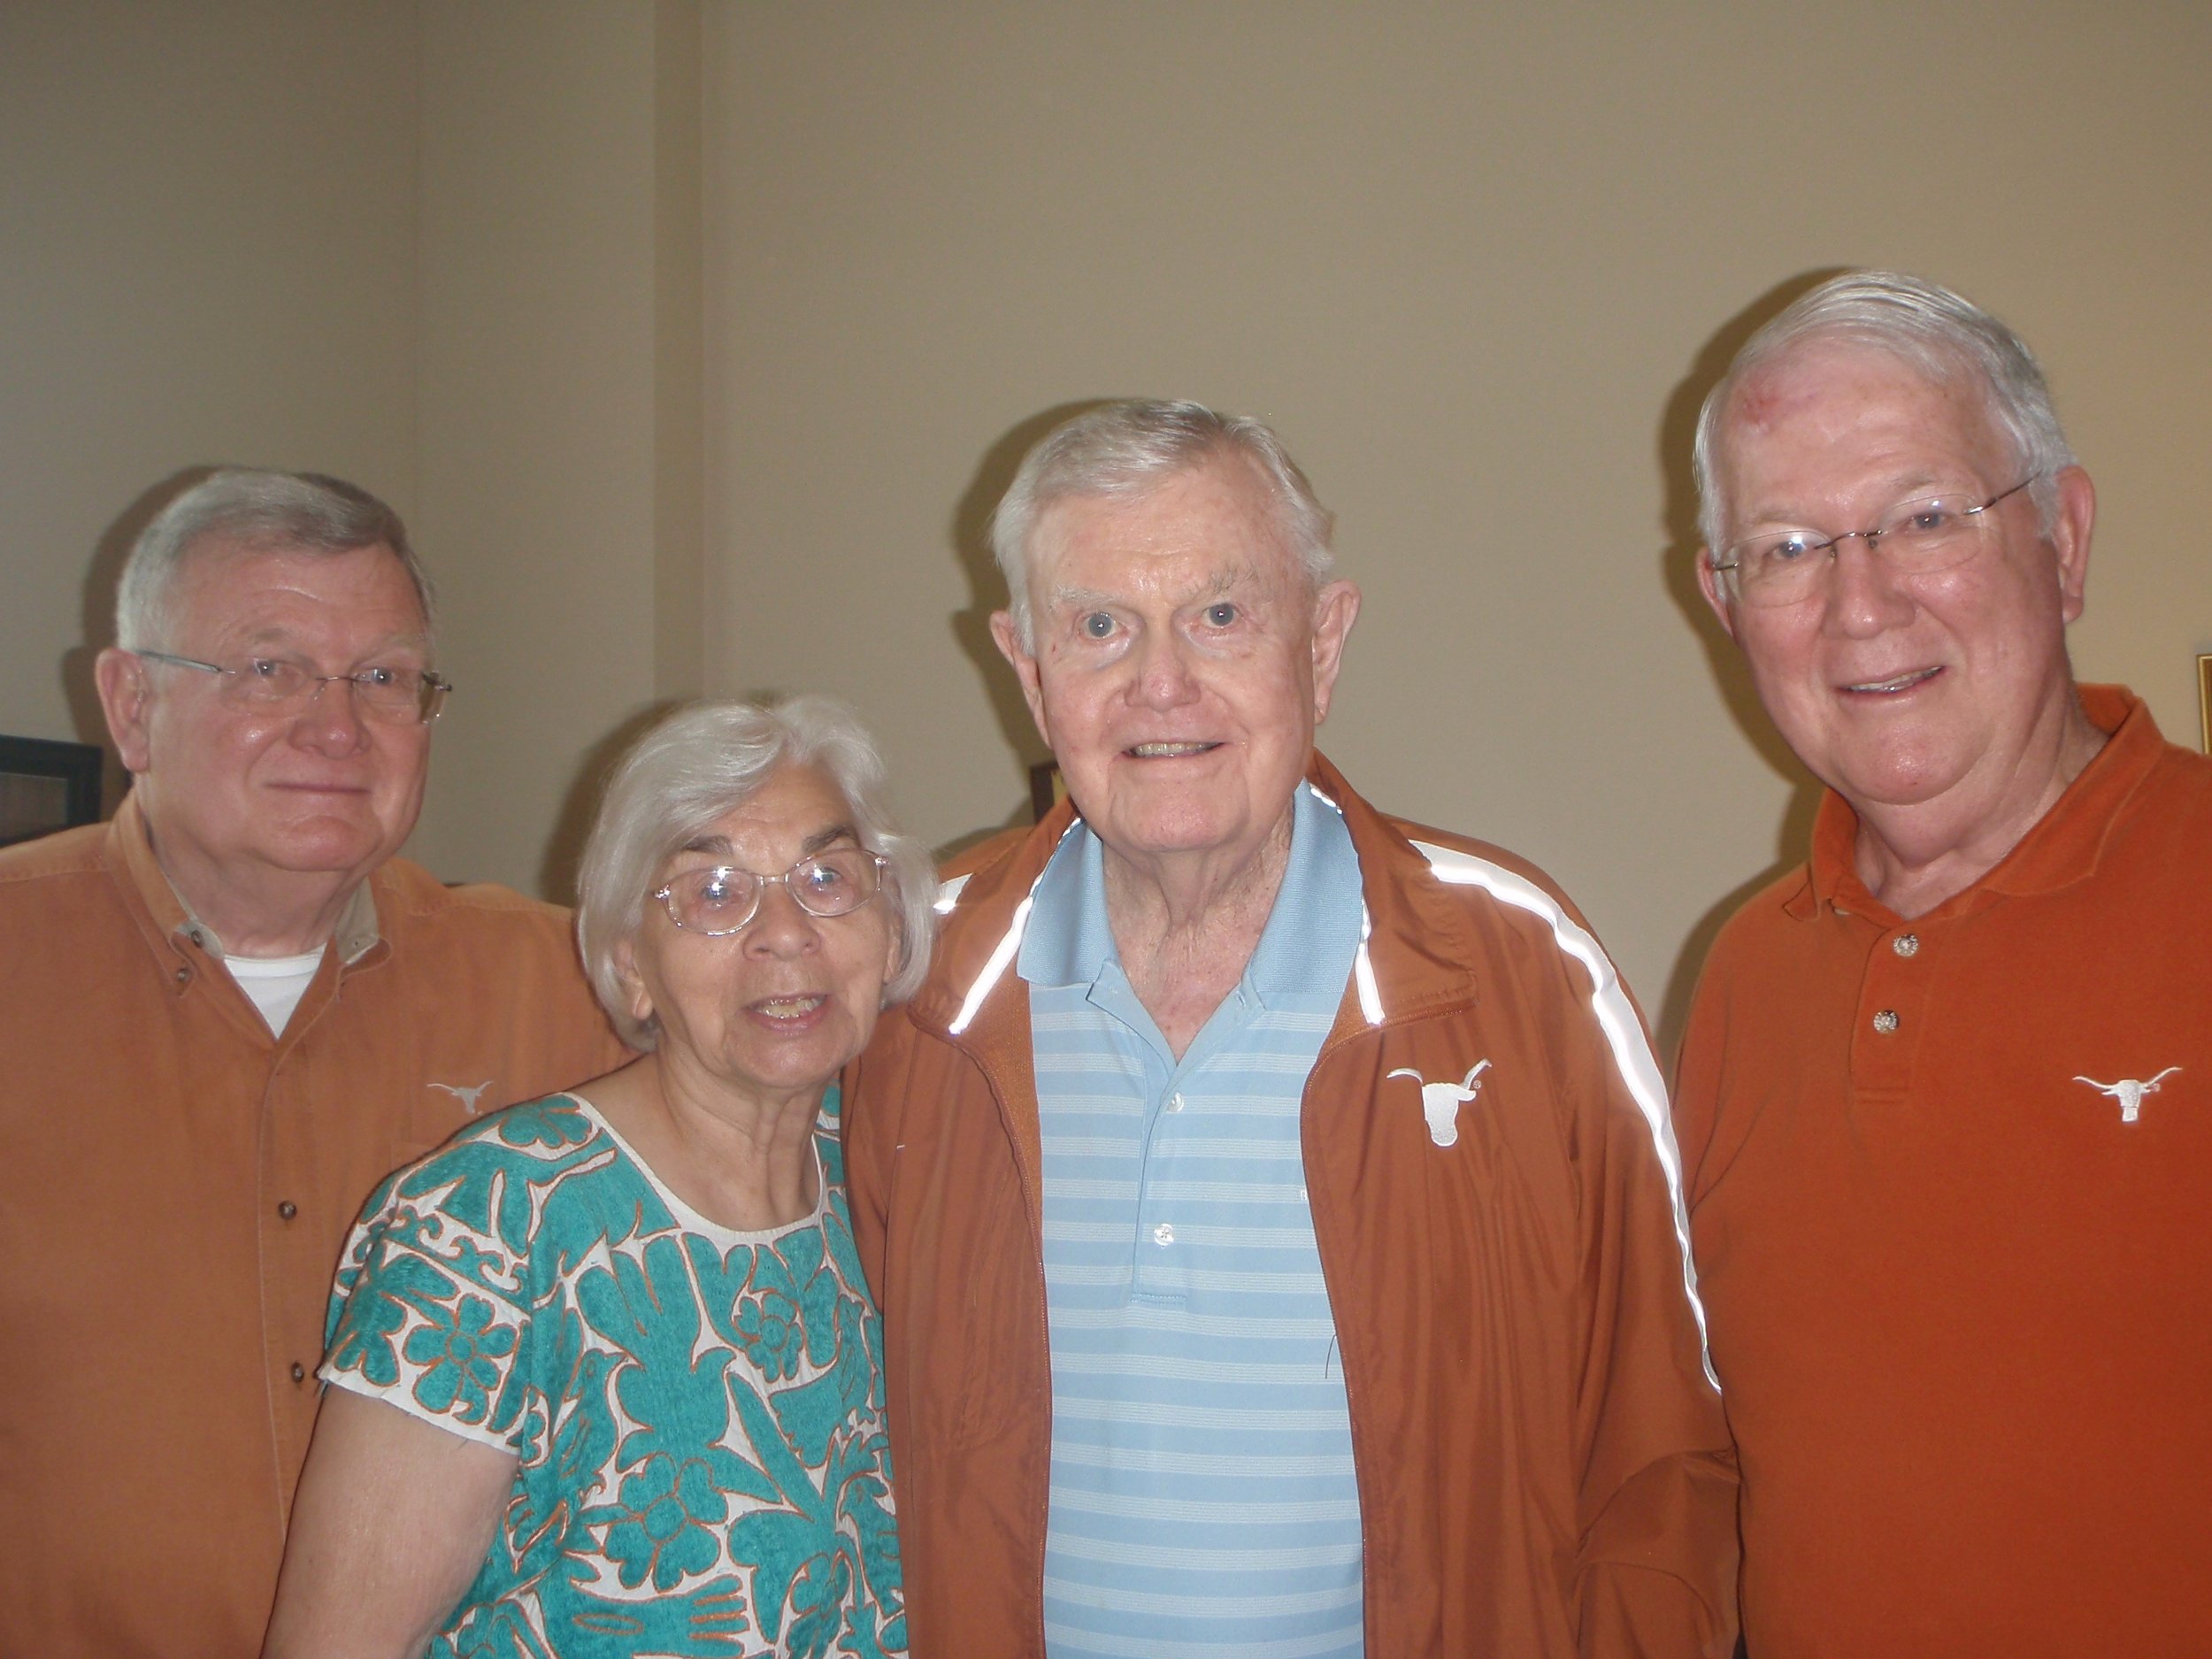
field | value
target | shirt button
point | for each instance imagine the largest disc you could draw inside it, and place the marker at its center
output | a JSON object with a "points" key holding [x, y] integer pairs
{"points": [[1163, 1236], [1175, 1102], [288, 1210], [299, 1371], [1906, 944], [184, 976], [1885, 1022]]}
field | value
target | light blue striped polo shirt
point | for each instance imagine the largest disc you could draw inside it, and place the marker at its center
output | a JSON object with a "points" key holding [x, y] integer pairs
{"points": [[1202, 1494]]}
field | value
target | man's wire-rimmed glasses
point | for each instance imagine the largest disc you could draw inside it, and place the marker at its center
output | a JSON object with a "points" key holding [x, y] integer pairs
{"points": [[413, 694], [720, 900], [1782, 565]]}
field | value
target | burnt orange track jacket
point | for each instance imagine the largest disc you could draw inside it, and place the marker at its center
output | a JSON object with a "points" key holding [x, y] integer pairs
{"points": [[1542, 1461]]}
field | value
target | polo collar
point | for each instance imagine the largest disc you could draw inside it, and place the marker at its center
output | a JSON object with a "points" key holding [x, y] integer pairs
{"points": [[1070, 940], [2063, 846]]}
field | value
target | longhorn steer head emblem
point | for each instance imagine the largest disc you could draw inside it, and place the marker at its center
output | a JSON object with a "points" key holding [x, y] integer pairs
{"points": [[1440, 1102], [2129, 1093]]}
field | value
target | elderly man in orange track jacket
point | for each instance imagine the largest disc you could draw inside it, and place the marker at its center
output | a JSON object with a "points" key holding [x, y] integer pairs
{"points": [[1272, 1203]]}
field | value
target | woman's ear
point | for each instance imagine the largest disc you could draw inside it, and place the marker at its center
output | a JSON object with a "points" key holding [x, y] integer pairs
{"points": [[625, 969]]}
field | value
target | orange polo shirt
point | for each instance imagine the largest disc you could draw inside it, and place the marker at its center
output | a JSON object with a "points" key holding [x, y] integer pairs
{"points": [[1950, 1184], [175, 1184]]}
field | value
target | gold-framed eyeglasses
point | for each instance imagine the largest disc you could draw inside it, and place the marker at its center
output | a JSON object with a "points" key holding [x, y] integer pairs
{"points": [[720, 900], [411, 695], [1782, 565]]}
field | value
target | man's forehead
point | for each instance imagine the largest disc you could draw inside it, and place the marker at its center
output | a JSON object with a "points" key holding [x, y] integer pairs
{"points": [[1213, 525], [236, 583], [1159, 576], [1835, 376]]}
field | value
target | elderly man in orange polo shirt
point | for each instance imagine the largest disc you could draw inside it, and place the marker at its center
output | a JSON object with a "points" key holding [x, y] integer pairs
{"points": [[225, 1015], [1946, 1099]]}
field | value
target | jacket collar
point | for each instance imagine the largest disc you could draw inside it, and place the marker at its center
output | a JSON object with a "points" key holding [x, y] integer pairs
{"points": [[1416, 941]]}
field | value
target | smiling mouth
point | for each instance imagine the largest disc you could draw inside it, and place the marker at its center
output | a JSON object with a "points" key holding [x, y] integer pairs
{"points": [[1901, 682], [1167, 751], [790, 1008]]}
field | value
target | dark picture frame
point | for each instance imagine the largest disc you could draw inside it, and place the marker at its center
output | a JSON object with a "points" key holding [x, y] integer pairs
{"points": [[46, 785], [2204, 701]]}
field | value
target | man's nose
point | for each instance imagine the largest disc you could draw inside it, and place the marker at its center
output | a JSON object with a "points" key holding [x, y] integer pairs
{"points": [[331, 720], [1865, 594], [1163, 671]]}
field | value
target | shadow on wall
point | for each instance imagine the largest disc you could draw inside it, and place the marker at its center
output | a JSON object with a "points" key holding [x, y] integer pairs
{"points": [[579, 804], [96, 617], [1677, 570], [971, 535]]}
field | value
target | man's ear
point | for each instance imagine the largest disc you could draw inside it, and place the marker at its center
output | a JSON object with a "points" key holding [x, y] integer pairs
{"points": [[1335, 608], [2075, 517], [125, 691], [1007, 636], [1713, 586]]}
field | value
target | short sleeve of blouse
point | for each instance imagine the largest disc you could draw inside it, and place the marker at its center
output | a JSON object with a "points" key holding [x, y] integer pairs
{"points": [[430, 1308]]}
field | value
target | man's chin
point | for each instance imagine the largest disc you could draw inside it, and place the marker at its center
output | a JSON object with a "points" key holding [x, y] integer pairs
{"points": [[327, 848]]}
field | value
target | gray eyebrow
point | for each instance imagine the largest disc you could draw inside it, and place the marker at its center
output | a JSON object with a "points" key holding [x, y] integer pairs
{"points": [[828, 836], [1223, 582]]}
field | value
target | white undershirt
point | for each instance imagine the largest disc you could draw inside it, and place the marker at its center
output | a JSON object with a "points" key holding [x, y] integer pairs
{"points": [[275, 983]]}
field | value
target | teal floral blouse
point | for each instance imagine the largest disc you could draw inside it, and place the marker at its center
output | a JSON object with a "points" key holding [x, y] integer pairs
{"points": [[698, 1412]]}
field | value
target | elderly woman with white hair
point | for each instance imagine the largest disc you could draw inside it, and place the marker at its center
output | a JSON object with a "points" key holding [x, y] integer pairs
{"points": [[605, 1377]]}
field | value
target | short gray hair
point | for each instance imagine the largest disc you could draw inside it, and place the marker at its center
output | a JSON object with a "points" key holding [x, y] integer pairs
{"points": [[1944, 336], [701, 762], [261, 509], [1125, 449]]}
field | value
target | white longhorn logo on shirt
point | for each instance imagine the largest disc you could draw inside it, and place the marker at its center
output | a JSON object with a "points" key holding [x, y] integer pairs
{"points": [[1440, 1102], [2129, 1092], [468, 1097]]}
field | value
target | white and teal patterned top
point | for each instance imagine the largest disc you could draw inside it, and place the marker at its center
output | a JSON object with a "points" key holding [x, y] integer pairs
{"points": [[698, 1411]]}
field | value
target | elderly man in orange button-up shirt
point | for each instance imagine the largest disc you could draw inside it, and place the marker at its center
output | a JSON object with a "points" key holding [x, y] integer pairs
{"points": [[224, 1016], [1946, 1095]]}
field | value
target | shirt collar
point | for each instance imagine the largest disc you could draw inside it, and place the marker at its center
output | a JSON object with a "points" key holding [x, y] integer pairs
{"points": [[2063, 846], [1069, 941], [172, 915]]}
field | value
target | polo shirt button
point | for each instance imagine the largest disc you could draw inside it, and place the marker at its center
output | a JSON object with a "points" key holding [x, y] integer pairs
{"points": [[1163, 1236], [1885, 1022], [288, 1210], [1175, 1102], [299, 1371], [184, 976], [1906, 944]]}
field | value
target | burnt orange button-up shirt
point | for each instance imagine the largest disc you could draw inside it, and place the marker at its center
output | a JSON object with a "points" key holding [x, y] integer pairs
{"points": [[175, 1183]]}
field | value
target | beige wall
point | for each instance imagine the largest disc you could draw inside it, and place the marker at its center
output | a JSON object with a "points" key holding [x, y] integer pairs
{"points": [[589, 288], [558, 367], [207, 248], [1472, 262]]}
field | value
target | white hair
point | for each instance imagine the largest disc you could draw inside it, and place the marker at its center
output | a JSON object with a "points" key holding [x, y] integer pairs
{"points": [[1124, 449], [305, 511], [1943, 335], [685, 773]]}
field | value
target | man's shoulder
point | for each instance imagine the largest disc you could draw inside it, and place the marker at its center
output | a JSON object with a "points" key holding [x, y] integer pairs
{"points": [[475, 932], [420, 897], [65, 855]]}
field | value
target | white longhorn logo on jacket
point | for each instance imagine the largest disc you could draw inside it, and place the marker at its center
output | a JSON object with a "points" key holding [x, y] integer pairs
{"points": [[2129, 1093], [1440, 1102]]}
